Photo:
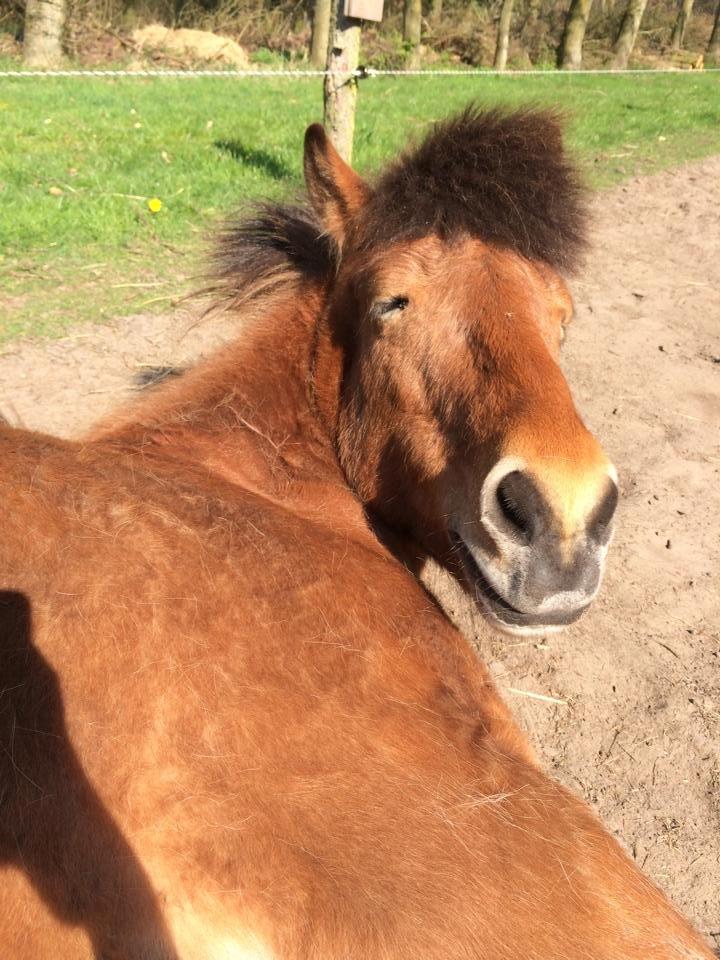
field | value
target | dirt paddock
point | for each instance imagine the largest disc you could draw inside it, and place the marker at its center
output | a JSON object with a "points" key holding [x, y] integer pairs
{"points": [[626, 705]]}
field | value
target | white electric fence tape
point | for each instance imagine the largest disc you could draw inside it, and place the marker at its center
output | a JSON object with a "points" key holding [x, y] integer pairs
{"points": [[361, 73]]}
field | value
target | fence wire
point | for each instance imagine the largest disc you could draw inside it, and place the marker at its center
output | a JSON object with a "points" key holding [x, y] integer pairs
{"points": [[362, 73]]}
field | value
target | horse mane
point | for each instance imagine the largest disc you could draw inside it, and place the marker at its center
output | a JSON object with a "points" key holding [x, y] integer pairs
{"points": [[501, 176], [261, 255]]}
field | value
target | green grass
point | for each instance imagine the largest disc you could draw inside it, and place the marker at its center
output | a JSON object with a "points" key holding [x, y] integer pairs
{"points": [[79, 160]]}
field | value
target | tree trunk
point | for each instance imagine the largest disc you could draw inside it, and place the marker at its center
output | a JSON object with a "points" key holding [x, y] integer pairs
{"points": [[44, 22], [533, 12], [340, 87], [628, 33], [435, 12], [320, 33], [712, 57], [412, 26], [570, 53], [503, 36], [529, 29], [681, 23]]}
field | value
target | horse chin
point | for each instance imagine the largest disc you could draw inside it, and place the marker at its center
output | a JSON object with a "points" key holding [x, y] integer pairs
{"points": [[516, 629], [497, 610]]}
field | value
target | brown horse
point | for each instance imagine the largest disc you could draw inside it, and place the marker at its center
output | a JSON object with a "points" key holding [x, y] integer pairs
{"points": [[232, 723]]}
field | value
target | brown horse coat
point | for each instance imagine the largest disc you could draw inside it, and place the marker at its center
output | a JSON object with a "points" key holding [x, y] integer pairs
{"points": [[232, 723]]}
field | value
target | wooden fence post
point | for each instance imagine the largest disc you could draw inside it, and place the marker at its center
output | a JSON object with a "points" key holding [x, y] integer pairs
{"points": [[320, 33], [340, 87]]}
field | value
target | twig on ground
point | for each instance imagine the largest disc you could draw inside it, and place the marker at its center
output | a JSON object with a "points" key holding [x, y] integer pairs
{"points": [[537, 696]]}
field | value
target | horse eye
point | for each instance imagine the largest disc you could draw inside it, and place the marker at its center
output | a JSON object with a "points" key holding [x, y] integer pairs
{"points": [[382, 308]]}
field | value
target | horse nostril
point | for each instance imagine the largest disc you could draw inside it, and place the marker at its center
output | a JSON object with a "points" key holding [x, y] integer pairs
{"points": [[519, 501]]}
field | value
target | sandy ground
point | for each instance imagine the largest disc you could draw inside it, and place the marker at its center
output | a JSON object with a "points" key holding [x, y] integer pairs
{"points": [[634, 723]]}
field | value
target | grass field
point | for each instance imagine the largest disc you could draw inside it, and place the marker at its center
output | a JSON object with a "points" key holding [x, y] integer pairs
{"points": [[80, 159]]}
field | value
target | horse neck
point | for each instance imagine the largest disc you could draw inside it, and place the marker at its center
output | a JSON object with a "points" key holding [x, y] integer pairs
{"points": [[253, 402], [262, 414]]}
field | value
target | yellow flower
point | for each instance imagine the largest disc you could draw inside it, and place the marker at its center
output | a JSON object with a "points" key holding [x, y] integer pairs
{"points": [[154, 205]]}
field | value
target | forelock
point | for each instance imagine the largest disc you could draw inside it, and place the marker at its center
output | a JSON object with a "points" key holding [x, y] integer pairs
{"points": [[502, 177]]}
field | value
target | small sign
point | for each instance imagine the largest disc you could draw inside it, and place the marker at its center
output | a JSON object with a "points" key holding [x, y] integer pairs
{"points": [[364, 9]]}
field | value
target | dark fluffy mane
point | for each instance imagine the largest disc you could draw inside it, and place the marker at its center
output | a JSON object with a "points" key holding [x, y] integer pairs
{"points": [[503, 177], [269, 251]]}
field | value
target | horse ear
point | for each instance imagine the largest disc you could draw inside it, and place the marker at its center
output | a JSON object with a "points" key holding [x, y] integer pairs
{"points": [[336, 192]]}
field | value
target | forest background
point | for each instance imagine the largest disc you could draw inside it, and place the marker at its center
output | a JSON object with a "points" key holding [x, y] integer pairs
{"points": [[517, 34]]}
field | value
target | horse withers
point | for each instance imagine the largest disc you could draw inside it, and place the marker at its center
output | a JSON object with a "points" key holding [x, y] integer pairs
{"points": [[233, 724]]}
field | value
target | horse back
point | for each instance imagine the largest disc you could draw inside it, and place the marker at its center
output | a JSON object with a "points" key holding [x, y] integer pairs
{"points": [[232, 728]]}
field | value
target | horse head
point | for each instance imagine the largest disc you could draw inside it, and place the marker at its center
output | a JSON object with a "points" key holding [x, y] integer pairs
{"points": [[450, 413]]}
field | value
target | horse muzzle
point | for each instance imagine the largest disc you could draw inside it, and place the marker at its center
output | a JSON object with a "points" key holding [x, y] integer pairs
{"points": [[527, 567]]}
